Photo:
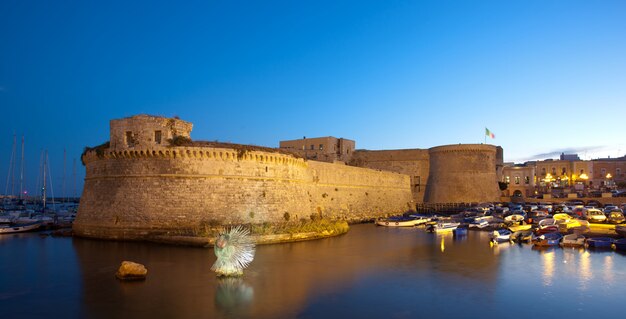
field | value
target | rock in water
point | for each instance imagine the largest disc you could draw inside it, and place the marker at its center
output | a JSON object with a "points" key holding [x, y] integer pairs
{"points": [[131, 271]]}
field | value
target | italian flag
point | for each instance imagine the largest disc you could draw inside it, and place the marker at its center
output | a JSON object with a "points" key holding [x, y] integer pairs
{"points": [[489, 133]]}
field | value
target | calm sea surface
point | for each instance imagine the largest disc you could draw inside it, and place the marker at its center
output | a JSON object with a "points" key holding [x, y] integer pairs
{"points": [[371, 272]]}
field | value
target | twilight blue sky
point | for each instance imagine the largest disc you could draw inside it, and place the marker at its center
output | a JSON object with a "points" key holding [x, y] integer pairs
{"points": [[544, 76]]}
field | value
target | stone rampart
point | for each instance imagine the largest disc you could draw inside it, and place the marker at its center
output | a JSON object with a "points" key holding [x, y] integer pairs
{"points": [[134, 193], [411, 162]]}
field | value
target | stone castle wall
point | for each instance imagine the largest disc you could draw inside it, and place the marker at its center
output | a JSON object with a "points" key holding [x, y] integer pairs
{"points": [[411, 162], [132, 193], [463, 173]]}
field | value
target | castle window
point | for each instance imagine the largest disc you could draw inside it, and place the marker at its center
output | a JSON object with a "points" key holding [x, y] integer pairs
{"points": [[130, 139], [321, 147], [157, 137]]}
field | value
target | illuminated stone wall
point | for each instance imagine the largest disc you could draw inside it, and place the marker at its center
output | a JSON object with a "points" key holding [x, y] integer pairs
{"points": [[463, 173], [132, 193]]}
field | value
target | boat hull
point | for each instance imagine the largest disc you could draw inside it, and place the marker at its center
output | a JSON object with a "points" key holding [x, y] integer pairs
{"points": [[600, 242], [19, 228]]}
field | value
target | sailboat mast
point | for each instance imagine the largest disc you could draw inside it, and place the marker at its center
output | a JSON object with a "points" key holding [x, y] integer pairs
{"points": [[22, 170], [11, 172], [63, 186], [43, 197]]}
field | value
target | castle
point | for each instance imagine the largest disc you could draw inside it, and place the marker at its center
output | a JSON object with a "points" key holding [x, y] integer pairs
{"points": [[151, 178]]}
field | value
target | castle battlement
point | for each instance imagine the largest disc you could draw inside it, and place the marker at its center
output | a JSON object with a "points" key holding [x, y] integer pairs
{"points": [[193, 152]]}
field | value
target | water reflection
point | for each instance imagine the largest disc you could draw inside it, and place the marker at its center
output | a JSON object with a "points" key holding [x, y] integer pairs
{"points": [[373, 272], [233, 295], [586, 273], [547, 258]]}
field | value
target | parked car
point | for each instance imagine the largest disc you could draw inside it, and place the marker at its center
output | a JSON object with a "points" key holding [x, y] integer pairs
{"points": [[594, 215], [609, 208], [619, 194], [594, 203], [616, 216]]}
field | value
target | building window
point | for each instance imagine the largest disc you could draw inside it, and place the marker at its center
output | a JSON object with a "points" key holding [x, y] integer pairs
{"points": [[312, 147], [554, 171], [508, 179], [543, 171], [157, 137], [321, 147], [516, 180], [563, 170], [582, 171], [526, 180], [130, 139], [618, 171], [603, 172]]}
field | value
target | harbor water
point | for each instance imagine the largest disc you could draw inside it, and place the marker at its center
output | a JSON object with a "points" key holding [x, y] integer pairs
{"points": [[370, 272]]}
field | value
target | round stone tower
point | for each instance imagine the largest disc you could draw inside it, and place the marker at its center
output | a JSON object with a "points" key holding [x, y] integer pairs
{"points": [[462, 173]]}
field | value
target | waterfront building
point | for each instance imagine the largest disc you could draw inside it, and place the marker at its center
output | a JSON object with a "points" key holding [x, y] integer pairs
{"points": [[564, 176]]}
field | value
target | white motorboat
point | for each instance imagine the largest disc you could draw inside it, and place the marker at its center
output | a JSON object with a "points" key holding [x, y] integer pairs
{"points": [[573, 240], [442, 227], [18, 228]]}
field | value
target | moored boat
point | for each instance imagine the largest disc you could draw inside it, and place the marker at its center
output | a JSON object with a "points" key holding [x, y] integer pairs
{"points": [[547, 240], [573, 240], [460, 231], [500, 235], [401, 221], [479, 222], [442, 227], [521, 236], [514, 218], [517, 228], [547, 225], [599, 242], [18, 228]]}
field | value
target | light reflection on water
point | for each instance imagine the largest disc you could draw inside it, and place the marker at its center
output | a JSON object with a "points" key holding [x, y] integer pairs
{"points": [[371, 272]]}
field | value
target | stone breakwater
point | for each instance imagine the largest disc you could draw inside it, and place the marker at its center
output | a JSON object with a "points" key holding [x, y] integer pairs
{"points": [[145, 191]]}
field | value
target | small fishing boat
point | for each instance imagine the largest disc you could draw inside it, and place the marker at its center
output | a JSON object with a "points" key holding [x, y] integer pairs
{"points": [[547, 240], [517, 228], [500, 235], [599, 242], [547, 225], [401, 221], [514, 219], [573, 240], [479, 223], [521, 236], [18, 228], [442, 227], [620, 244], [460, 231]]}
